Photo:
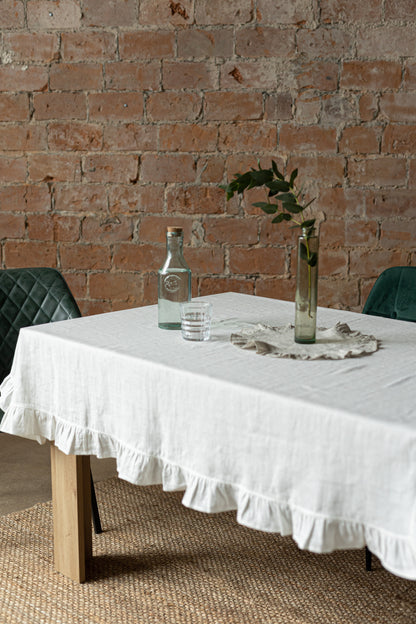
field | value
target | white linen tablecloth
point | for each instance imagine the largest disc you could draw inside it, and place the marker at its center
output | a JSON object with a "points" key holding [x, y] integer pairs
{"points": [[323, 450]]}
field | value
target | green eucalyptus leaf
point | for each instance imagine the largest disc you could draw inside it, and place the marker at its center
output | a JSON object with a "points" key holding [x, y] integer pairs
{"points": [[279, 218], [293, 177], [276, 171], [313, 259], [286, 216], [269, 208], [280, 186], [303, 250], [291, 207], [261, 177]]}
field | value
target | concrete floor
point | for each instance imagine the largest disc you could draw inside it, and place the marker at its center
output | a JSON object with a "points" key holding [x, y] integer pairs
{"points": [[25, 473]]}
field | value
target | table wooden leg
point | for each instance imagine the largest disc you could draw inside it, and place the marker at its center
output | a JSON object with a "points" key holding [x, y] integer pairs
{"points": [[71, 496]]}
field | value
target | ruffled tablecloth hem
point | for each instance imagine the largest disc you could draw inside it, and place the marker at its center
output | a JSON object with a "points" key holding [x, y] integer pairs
{"points": [[310, 531]]}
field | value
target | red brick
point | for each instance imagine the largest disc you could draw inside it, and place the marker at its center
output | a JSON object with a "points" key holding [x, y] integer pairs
{"points": [[307, 139], [59, 106], [28, 253], [398, 139], [14, 107], [130, 137], [332, 262], [77, 283], [146, 44], [322, 75], [205, 260], [13, 169], [412, 174], [134, 199], [189, 75], [111, 168], [86, 256], [372, 263], [80, 198], [368, 107], [89, 308], [220, 12], [188, 137], [332, 233], [115, 106], [173, 106], [23, 78], [398, 106], [125, 287], [324, 43], [276, 288], [264, 41], [215, 285], [296, 12], [342, 202], [247, 136], [276, 233], [399, 9], [409, 78], [233, 106], [53, 228], [398, 235], [338, 292], [53, 14], [231, 231], [162, 13], [278, 106], [256, 74], [195, 200], [29, 198], [391, 203], [351, 11], [12, 14], [88, 45], [371, 75], [359, 140], [153, 228], [31, 47], [22, 138], [361, 233], [328, 169], [12, 225], [338, 109], [308, 106], [262, 260], [45, 167], [197, 43], [139, 257], [386, 41], [210, 168], [110, 13], [383, 171], [75, 77], [167, 168], [107, 229], [124, 76], [74, 136]]}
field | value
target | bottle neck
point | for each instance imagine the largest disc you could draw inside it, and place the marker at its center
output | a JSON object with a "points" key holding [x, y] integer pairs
{"points": [[174, 244]]}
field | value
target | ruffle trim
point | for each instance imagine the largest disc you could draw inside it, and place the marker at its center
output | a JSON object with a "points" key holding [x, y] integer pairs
{"points": [[310, 531]]}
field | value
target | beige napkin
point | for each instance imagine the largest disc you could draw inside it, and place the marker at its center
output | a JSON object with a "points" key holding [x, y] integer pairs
{"points": [[335, 343]]}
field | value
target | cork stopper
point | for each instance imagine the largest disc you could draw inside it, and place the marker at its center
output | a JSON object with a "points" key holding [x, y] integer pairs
{"points": [[176, 231]]}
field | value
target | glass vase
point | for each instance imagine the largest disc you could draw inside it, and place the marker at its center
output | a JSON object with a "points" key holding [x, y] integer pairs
{"points": [[306, 287]]}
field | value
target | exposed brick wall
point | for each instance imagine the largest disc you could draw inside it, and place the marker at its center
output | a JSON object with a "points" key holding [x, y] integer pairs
{"points": [[118, 117]]}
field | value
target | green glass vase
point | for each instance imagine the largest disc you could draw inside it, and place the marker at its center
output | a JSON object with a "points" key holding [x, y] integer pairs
{"points": [[306, 287]]}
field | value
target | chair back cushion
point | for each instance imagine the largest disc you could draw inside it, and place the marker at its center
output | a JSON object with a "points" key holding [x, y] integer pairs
{"points": [[30, 297], [394, 294]]}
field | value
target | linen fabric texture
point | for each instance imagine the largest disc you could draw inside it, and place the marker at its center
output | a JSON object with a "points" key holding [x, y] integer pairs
{"points": [[322, 450]]}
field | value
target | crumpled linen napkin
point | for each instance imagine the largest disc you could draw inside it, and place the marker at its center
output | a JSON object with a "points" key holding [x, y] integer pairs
{"points": [[335, 343]]}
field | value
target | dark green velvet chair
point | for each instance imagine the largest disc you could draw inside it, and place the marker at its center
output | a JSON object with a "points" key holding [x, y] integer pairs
{"points": [[32, 297], [392, 296]]}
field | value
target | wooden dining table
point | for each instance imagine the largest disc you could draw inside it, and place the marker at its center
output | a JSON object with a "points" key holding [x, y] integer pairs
{"points": [[323, 450]]}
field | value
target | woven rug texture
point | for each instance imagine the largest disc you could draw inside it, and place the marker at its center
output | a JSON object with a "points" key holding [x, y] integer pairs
{"points": [[160, 563]]}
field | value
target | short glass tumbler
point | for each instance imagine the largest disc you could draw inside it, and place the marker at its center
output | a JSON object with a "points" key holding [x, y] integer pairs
{"points": [[196, 320]]}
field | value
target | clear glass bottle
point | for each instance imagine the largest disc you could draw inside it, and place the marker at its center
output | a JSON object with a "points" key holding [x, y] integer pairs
{"points": [[174, 281], [306, 287]]}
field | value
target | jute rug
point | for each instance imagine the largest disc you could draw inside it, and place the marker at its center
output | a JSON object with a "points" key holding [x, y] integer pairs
{"points": [[160, 563]]}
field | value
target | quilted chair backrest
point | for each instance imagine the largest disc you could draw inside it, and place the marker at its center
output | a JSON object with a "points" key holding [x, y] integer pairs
{"points": [[30, 297], [394, 294]]}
